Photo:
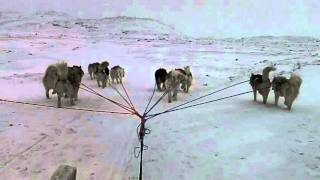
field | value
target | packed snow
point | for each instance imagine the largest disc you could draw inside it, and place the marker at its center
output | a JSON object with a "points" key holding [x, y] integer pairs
{"points": [[229, 139]]}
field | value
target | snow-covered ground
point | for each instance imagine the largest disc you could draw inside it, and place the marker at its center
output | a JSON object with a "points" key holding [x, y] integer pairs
{"points": [[229, 139]]}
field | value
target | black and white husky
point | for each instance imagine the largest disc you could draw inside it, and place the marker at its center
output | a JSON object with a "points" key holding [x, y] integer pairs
{"points": [[161, 77]]}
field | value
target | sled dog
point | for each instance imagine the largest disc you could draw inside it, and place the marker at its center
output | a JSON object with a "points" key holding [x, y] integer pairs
{"points": [[117, 73], [287, 88], [103, 77], [261, 83], [186, 82], [174, 80], [93, 69], [160, 77], [64, 81]]}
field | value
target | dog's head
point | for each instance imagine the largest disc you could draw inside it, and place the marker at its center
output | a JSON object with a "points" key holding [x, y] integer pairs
{"points": [[270, 68], [78, 70], [187, 68]]}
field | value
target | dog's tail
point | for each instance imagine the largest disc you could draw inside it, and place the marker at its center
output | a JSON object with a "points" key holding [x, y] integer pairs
{"points": [[62, 69], [266, 71], [295, 82], [123, 72]]}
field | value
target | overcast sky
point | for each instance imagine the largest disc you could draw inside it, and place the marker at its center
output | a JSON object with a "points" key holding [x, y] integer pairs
{"points": [[218, 18]]}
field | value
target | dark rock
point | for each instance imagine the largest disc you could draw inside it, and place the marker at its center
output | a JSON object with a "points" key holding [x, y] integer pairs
{"points": [[64, 172]]}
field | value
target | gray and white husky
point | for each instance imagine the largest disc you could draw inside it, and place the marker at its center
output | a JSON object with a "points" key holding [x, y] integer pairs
{"points": [[117, 74], [103, 77], [187, 81], [63, 80], [174, 79]]}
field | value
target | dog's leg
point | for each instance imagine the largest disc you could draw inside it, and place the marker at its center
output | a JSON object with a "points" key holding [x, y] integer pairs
{"points": [[158, 84], [169, 96], [90, 75], [104, 83], [183, 86], [98, 83], [286, 97], [265, 95], [175, 93], [254, 95], [47, 93], [276, 98], [188, 87], [289, 100], [289, 106], [76, 92], [71, 100], [59, 100], [289, 103], [164, 86], [286, 101], [71, 92]]}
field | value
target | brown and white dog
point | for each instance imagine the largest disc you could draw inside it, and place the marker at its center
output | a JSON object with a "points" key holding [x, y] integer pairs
{"points": [[261, 83], [287, 88], [174, 79]]}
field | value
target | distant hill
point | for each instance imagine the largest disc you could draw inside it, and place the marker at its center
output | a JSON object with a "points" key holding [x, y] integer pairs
{"points": [[48, 21]]}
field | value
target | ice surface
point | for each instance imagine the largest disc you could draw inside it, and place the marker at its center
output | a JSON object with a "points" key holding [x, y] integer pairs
{"points": [[230, 139]]}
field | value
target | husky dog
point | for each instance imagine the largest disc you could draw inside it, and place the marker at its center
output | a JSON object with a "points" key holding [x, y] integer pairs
{"points": [[93, 69], [287, 88], [54, 73], [50, 79], [103, 77], [75, 75], [64, 80], [261, 83], [103, 66], [117, 73], [161, 76], [174, 80], [186, 83], [56, 78], [64, 88]]}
